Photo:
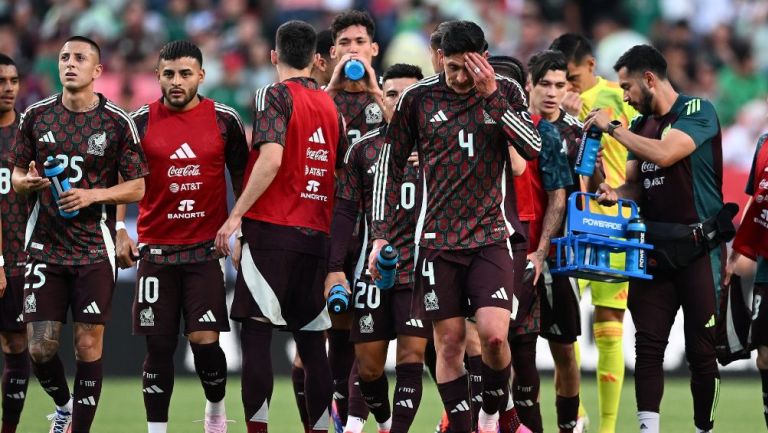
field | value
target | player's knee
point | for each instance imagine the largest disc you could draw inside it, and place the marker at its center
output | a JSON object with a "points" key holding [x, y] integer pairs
{"points": [[410, 357], [451, 347], [494, 343], [702, 361], [161, 346], [88, 348], [14, 343], [42, 351], [369, 372]]}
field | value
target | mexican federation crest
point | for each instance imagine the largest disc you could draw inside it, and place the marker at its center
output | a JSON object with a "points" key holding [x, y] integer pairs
{"points": [[147, 317], [97, 143], [30, 303], [430, 301], [373, 115], [366, 324]]}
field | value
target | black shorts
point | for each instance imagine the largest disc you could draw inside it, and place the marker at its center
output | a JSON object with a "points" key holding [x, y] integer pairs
{"points": [[164, 293], [50, 290], [382, 315], [560, 312], [526, 313], [458, 283], [11, 317], [759, 330]]}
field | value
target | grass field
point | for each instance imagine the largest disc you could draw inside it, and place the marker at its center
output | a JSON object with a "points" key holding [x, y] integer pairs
{"points": [[122, 411]]}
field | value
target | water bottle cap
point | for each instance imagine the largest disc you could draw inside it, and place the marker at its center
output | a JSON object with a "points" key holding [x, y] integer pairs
{"points": [[354, 70]]}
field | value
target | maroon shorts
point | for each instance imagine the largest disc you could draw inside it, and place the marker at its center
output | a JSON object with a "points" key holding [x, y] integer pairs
{"points": [[759, 331], [382, 315], [50, 290], [285, 287], [560, 311], [11, 319], [458, 283], [164, 293]]}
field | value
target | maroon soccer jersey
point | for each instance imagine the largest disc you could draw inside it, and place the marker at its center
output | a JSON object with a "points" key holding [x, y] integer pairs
{"points": [[95, 146], [462, 141], [361, 115], [13, 207], [355, 183], [186, 199]]}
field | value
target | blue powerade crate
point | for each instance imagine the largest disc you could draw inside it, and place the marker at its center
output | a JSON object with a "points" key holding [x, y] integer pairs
{"points": [[591, 238]]}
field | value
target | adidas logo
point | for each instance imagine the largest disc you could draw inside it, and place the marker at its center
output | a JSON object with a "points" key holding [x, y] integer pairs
{"points": [[88, 401], [496, 392], [214, 382], [487, 118], [711, 322], [643, 427], [184, 152], [92, 308], [317, 137], [568, 426], [51, 389], [461, 407], [524, 403], [20, 319], [405, 403], [208, 317], [338, 396], [415, 323], [500, 294], [47, 138], [607, 377], [439, 117], [478, 398], [154, 389], [20, 396]]}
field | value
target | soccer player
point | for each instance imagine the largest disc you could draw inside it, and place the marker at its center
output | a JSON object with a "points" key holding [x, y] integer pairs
{"points": [[14, 213], [588, 91], [72, 260], [381, 315], [323, 66], [675, 156], [460, 122], [285, 208], [188, 141]]}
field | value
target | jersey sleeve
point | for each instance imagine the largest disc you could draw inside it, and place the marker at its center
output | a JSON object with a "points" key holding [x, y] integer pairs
{"points": [[233, 134], [750, 189], [698, 120], [343, 143], [508, 108], [23, 148], [398, 143], [132, 163], [272, 111], [141, 119], [553, 162], [349, 185]]}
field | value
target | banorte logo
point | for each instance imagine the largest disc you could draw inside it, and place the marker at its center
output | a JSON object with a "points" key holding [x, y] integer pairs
{"points": [[189, 170]]}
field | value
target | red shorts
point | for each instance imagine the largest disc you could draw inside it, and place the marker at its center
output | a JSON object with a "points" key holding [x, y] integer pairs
{"points": [[382, 315], [164, 293], [50, 290], [11, 319], [458, 283]]}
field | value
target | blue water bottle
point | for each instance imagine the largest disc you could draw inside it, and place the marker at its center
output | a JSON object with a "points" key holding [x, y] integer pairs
{"points": [[386, 263], [635, 256], [53, 169], [338, 299], [590, 144], [354, 69]]}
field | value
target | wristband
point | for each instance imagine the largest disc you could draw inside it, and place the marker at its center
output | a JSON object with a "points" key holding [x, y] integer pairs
{"points": [[2, 261], [120, 225]]}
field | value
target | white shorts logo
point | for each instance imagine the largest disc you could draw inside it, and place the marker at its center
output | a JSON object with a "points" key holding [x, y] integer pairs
{"points": [[30, 304], [366, 324], [147, 317], [430, 301]]}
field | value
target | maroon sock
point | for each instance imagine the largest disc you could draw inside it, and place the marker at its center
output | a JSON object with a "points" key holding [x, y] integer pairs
{"points": [[87, 390], [14, 387], [526, 383], [407, 396], [318, 387], [341, 355], [567, 412], [211, 366], [455, 397], [475, 367], [357, 406], [297, 378], [376, 396], [51, 376], [495, 388], [257, 382], [509, 421], [157, 376], [764, 379]]}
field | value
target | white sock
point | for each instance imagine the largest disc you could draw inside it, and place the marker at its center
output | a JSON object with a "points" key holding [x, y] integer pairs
{"points": [[67, 407], [217, 408], [510, 402], [157, 427], [487, 422], [649, 422], [698, 430], [354, 424], [386, 425]]}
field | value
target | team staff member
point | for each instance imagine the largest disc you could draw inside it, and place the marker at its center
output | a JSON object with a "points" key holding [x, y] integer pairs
{"points": [[72, 260], [675, 155], [189, 141], [285, 208]]}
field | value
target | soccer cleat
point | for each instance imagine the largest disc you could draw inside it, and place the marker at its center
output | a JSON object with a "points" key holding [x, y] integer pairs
{"points": [[444, 426], [382, 431], [523, 429], [215, 423], [494, 430], [338, 424], [61, 422], [582, 425]]}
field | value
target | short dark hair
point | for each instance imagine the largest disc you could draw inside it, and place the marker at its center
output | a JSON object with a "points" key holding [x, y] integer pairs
{"points": [[436, 38], [574, 46], [463, 37], [509, 67], [353, 18], [642, 58], [324, 43], [402, 70], [544, 61], [177, 49], [89, 41], [6, 60], [296, 42]]}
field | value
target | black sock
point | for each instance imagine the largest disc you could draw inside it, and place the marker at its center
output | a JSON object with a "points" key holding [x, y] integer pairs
{"points": [[14, 385], [211, 366], [51, 376], [455, 397], [87, 391]]}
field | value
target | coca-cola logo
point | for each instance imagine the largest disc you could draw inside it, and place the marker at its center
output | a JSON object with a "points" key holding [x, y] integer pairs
{"points": [[317, 155], [190, 170]]}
